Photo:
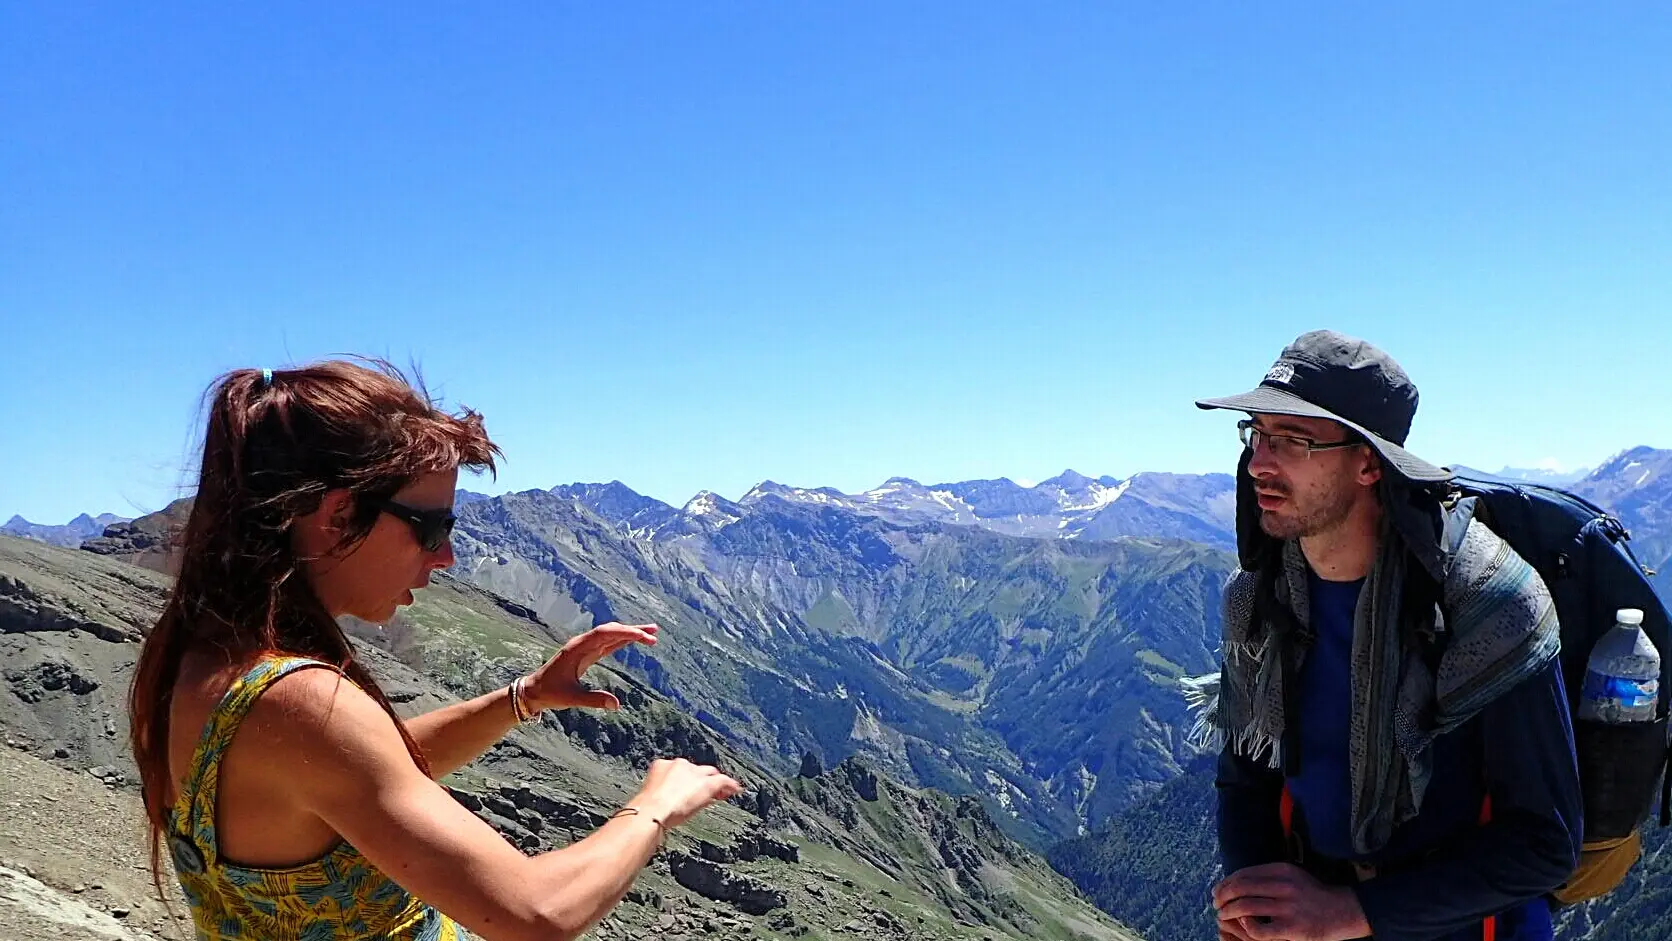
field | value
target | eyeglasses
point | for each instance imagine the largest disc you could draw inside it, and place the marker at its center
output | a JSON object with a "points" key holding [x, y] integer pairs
{"points": [[1287, 447], [431, 527]]}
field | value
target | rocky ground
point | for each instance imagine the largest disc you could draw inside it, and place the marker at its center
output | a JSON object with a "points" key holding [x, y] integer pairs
{"points": [[73, 866], [72, 857]]}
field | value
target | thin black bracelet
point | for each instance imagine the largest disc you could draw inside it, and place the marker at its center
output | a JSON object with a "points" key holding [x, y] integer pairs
{"points": [[662, 828]]}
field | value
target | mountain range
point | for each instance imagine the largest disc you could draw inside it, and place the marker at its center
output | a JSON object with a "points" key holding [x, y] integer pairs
{"points": [[1037, 673], [1196, 507], [69, 534], [1200, 508]]}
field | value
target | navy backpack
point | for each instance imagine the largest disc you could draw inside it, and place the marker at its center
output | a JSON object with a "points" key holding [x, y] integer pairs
{"points": [[1583, 555]]}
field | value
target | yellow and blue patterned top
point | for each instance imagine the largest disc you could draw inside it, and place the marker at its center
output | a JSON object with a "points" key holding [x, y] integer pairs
{"points": [[339, 897]]}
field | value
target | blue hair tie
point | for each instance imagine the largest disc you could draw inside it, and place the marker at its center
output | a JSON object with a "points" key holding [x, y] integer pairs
{"points": [[266, 378]]}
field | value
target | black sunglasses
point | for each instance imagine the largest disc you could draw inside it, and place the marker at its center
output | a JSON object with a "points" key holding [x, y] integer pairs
{"points": [[431, 527]]}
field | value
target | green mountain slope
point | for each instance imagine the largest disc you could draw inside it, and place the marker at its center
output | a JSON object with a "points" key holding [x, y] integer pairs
{"points": [[1038, 674]]}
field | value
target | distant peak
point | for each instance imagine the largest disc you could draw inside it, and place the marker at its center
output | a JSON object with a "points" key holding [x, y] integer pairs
{"points": [[764, 489], [1001, 483], [614, 488], [901, 482], [1069, 479], [707, 501], [1632, 457]]}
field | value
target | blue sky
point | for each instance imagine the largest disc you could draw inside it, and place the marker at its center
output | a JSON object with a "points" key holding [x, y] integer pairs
{"points": [[693, 246]]}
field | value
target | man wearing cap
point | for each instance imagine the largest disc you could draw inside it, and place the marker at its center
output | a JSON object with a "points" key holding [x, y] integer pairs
{"points": [[1398, 758]]}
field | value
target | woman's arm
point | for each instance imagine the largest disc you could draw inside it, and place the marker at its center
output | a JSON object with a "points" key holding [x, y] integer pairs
{"points": [[344, 761], [455, 735]]}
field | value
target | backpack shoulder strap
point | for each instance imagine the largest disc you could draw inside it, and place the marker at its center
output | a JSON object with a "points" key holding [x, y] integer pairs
{"points": [[1458, 512], [1458, 515]]}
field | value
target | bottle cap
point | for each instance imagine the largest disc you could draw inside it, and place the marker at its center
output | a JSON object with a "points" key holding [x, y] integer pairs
{"points": [[1633, 616]]}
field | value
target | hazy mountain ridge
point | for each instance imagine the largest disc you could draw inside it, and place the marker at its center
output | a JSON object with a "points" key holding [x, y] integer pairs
{"points": [[1070, 505], [1199, 507], [69, 535]]}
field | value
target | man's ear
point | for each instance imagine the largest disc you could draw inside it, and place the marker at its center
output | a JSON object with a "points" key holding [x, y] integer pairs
{"points": [[1370, 472]]}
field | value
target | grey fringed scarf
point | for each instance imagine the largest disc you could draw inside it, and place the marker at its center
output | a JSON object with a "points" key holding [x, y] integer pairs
{"points": [[1503, 629]]}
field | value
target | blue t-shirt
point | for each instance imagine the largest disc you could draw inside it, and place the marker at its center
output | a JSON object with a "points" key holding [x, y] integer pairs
{"points": [[1320, 784]]}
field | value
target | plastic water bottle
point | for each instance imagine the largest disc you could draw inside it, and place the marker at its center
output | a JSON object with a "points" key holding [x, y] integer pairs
{"points": [[1622, 678]]}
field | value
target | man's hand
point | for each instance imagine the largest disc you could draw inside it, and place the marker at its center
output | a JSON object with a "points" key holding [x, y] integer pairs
{"points": [[1234, 930], [1282, 902]]}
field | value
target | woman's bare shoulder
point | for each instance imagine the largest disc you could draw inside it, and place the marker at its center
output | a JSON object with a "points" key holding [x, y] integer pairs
{"points": [[317, 725]]}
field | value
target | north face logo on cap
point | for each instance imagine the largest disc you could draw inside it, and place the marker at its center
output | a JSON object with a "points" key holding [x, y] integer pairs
{"points": [[1282, 372]]}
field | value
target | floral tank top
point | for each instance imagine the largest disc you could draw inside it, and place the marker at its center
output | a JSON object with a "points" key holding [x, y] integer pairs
{"points": [[339, 897]]}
